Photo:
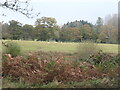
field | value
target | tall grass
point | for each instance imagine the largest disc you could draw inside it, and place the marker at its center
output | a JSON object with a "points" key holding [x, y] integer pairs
{"points": [[86, 49], [12, 48]]}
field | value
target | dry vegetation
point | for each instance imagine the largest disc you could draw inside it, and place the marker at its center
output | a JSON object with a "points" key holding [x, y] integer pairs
{"points": [[58, 69]]}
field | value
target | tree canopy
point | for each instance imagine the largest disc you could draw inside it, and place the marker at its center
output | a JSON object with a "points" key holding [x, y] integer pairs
{"points": [[46, 29]]}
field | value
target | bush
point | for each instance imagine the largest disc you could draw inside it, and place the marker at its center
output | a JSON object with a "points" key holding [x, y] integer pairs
{"points": [[86, 49], [101, 57], [106, 65], [116, 59], [38, 70], [12, 48]]}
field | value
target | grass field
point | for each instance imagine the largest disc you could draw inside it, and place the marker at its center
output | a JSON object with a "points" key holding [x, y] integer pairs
{"points": [[28, 46], [71, 70]]}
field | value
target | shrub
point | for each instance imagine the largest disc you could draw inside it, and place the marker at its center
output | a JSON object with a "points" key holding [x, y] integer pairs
{"points": [[36, 70], [12, 48], [102, 57], [116, 59], [106, 65], [86, 49]]}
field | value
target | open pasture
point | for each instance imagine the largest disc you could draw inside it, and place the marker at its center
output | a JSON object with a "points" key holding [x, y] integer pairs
{"points": [[69, 47]]}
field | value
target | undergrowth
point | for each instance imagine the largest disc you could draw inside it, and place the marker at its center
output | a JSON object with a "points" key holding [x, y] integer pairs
{"points": [[60, 70]]}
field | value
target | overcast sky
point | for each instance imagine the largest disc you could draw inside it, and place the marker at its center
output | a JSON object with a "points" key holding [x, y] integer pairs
{"points": [[65, 10]]}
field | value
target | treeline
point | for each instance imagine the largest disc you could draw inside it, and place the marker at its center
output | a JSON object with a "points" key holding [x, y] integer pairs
{"points": [[46, 29]]}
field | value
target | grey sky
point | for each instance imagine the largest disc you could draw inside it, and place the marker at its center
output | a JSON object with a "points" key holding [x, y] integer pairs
{"points": [[65, 10]]}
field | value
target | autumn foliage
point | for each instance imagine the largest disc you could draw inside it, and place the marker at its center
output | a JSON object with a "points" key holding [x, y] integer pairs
{"points": [[36, 68]]}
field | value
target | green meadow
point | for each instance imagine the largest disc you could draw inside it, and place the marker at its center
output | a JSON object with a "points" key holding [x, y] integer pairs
{"points": [[69, 47]]}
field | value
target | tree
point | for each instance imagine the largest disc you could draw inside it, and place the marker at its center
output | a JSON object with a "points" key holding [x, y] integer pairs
{"points": [[46, 26], [102, 37], [77, 24], [41, 33], [98, 25], [70, 34], [27, 32], [108, 34], [111, 23], [19, 6], [99, 21], [47, 22], [87, 32], [15, 30], [5, 31], [112, 20]]}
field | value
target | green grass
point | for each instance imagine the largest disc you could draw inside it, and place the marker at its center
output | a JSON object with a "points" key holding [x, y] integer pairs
{"points": [[7, 83], [94, 83], [28, 46]]}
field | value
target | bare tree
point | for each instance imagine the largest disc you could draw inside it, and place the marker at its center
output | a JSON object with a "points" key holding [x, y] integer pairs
{"points": [[19, 6]]}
